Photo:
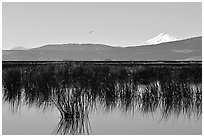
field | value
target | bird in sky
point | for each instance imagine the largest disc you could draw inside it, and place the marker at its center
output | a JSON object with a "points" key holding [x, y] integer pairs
{"points": [[90, 32]]}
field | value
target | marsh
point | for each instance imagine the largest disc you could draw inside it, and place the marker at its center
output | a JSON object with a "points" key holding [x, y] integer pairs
{"points": [[87, 98]]}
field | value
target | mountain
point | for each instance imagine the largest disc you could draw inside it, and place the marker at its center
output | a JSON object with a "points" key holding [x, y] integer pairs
{"points": [[187, 49], [18, 48], [74, 47], [161, 38]]}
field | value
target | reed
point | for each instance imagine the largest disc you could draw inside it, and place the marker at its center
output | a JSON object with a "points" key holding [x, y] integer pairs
{"points": [[77, 89]]}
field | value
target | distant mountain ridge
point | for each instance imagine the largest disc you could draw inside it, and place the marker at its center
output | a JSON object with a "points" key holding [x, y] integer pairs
{"points": [[75, 47], [188, 49], [19, 48]]}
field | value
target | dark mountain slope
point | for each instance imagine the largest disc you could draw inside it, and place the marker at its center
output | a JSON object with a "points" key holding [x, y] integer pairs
{"points": [[188, 49]]}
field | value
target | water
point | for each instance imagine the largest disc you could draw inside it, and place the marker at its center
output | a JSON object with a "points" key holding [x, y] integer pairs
{"points": [[102, 99]]}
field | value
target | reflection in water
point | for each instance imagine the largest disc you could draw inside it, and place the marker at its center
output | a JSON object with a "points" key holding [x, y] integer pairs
{"points": [[78, 89]]}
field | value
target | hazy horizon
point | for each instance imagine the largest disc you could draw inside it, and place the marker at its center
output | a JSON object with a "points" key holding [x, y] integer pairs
{"points": [[116, 24]]}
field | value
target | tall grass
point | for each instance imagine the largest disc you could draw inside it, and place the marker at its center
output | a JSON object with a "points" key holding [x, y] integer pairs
{"points": [[77, 89]]}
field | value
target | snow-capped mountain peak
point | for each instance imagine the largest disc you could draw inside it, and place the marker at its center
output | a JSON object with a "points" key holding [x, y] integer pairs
{"points": [[161, 38]]}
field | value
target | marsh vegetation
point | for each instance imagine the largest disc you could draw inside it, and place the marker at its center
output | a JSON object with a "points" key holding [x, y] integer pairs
{"points": [[78, 89]]}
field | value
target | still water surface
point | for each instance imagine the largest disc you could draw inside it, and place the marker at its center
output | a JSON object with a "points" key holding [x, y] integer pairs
{"points": [[90, 99]]}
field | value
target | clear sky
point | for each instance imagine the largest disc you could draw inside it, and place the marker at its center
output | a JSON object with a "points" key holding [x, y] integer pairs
{"points": [[117, 24]]}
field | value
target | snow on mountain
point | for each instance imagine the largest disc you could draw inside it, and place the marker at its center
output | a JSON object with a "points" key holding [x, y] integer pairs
{"points": [[161, 38]]}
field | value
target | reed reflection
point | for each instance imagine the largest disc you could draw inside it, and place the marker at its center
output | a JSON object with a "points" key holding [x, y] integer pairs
{"points": [[78, 90]]}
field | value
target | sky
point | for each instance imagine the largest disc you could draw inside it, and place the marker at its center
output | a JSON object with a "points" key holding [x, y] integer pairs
{"points": [[117, 24]]}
